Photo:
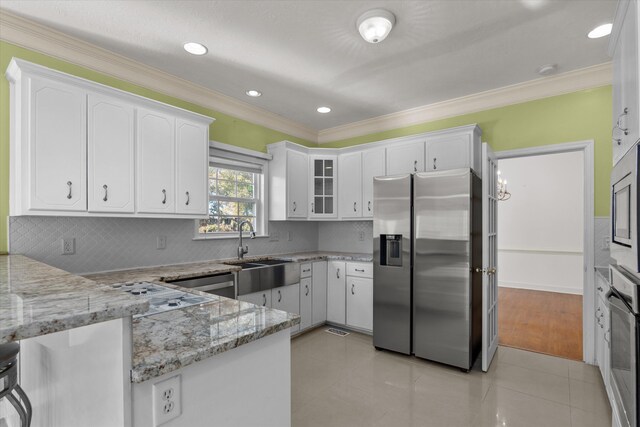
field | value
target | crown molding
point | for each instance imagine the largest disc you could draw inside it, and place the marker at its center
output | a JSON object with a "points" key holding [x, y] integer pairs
{"points": [[571, 81], [39, 38], [31, 35]]}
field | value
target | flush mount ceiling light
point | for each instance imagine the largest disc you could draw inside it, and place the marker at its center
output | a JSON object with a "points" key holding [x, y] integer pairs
{"points": [[195, 48], [253, 93], [375, 25], [547, 70], [600, 31], [323, 110]]}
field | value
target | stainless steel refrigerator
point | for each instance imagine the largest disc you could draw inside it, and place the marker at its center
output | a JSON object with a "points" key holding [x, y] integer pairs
{"points": [[427, 252]]}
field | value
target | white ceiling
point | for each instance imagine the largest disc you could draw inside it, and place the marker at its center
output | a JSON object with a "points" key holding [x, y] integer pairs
{"points": [[306, 53]]}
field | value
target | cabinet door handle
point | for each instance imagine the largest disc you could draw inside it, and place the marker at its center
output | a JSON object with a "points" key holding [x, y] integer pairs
{"points": [[264, 300], [279, 296], [294, 206], [619, 127], [312, 207], [369, 205], [415, 166], [600, 288], [188, 198], [605, 336], [307, 288], [104, 199], [338, 273], [164, 196], [69, 184], [354, 207], [434, 163], [360, 270], [352, 287]]}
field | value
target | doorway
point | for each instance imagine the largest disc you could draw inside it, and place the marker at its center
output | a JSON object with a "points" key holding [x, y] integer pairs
{"points": [[545, 250]]}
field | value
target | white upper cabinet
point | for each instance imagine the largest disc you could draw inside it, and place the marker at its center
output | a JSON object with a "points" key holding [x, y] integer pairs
{"points": [[373, 164], [323, 181], [626, 74], [405, 157], [156, 162], [111, 142], [79, 148], [192, 164], [297, 178], [350, 172], [454, 149], [56, 146]]}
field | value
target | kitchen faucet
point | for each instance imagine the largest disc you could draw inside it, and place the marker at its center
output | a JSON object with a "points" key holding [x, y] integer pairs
{"points": [[244, 250]]}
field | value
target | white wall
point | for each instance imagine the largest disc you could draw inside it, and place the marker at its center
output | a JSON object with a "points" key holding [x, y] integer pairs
{"points": [[540, 229]]}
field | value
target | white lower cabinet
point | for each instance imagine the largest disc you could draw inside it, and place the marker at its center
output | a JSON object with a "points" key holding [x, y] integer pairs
{"points": [[336, 285], [603, 331], [287, 298], [319, 290], [306, 303], [360, 303], [262, 299]]}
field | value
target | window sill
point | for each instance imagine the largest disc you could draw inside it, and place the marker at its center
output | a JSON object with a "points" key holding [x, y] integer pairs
{"points": [[245, 236]]}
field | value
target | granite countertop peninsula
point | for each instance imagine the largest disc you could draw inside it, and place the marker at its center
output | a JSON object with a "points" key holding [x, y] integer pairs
{"points": [[37, 299], [168, 341]]}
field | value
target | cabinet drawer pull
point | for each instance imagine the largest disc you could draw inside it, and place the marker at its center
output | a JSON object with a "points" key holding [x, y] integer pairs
{"points": [[434, 163], [415, 166], [306, 271], [352, 287], [69, 184], [294, 206], [264, 300], [354, 207], [164, 196], [338, 273], [600, 288], [360, 270], [279, 296], [104, 199], [307, 287], [369, 205], [188, 198]]}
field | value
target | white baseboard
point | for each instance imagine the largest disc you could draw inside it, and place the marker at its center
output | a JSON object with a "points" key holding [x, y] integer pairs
{"points": [[540, 287]]}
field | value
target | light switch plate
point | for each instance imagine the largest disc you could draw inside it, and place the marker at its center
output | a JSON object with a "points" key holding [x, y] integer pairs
{"points": [[274, 236], [161, 242]]}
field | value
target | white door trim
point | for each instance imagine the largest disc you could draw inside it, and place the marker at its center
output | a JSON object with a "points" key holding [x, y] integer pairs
{"points": [[588, 300]]}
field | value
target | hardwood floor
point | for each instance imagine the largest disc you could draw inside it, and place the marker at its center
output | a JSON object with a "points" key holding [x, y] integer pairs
{"points": [[544, 322]]}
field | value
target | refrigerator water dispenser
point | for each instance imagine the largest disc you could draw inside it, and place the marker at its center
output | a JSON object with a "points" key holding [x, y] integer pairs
{"points": [[391, 250]]}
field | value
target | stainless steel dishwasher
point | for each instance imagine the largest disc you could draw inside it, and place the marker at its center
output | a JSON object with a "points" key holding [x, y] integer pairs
{"points": [[223, 285]]}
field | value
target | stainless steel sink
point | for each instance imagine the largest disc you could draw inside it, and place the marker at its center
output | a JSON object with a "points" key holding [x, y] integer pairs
{"points": [[264, 275]]}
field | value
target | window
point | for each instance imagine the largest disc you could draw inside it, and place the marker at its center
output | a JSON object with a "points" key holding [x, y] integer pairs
{"points": [[234, 197], [237, 192]]}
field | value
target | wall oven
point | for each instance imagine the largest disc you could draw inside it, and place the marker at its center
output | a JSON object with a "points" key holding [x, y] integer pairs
{"points": [[624, 322], [624, 212]]}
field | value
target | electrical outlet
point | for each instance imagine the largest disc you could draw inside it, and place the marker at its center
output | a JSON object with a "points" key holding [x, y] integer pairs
{"points": [[68, 246], [166, 400], [161, 242], [274, 236], [605, 243], [361, 236]]}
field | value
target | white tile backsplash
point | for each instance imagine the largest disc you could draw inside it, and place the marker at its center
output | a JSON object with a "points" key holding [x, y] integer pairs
{"points": [[104, 244], [601, 232], [344, 236]]}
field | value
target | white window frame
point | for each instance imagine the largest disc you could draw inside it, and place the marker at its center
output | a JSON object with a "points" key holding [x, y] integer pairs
{"points": [[230, 155]]}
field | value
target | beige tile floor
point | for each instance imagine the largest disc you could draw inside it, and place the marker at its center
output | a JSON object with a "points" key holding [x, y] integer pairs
{"points": [[344, 381]]}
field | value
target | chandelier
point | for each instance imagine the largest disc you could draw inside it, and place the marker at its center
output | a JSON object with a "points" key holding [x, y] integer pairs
{"points": [[503, 193]]}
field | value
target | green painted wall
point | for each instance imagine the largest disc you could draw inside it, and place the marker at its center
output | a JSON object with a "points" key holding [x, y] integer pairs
{"points": [[225, 129], [573, 117]]}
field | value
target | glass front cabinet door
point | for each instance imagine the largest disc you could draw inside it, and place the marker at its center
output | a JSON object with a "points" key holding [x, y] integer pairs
{"points": [[323, 184]]}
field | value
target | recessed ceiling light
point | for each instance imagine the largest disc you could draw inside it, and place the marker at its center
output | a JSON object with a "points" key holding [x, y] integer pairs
{"points": [[323, 110], [375, 25], [547, 70], [254, 93], [195, 48], [600, 31]]}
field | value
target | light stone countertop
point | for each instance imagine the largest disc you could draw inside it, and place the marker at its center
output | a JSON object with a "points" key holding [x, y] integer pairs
{"points": [[168, 341], [37, 299]]}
